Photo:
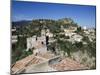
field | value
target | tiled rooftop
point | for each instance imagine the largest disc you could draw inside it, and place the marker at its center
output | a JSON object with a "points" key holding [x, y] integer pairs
{"points": [[64, 64], [68, 64], [30, 60], [21, 64]]}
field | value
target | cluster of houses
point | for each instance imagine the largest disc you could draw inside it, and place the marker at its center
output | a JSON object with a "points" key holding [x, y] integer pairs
{"points": [[90, 33], [14, 36], [41, 41], [72, 35]]}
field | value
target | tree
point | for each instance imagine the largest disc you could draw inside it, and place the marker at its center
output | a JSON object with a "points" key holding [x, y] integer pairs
{"points": [[79, 44], [65, 46]]}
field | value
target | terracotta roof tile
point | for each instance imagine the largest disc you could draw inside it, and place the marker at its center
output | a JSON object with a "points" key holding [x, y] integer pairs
{"points": [[68, 64]]}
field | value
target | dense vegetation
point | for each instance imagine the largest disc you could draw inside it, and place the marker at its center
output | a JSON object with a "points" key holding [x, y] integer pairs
{"points": [[19, 49]]}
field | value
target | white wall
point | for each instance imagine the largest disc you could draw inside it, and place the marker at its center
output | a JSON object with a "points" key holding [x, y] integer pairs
{"points": [[5, 37]]}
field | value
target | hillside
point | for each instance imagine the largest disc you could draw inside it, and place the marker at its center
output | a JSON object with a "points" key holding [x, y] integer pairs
{"points": [[62, 37]]}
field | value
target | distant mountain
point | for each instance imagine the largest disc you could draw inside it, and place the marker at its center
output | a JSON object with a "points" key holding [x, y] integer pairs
{"points": [[20, 23]]}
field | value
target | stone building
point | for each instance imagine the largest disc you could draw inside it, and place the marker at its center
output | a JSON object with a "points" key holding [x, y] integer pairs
{"points": [[38, 43]]}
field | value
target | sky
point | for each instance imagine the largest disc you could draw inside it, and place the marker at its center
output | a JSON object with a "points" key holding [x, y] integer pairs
{"points": [[83, 15]]}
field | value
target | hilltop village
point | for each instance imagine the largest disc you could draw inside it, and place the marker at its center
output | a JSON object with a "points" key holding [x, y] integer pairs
{"points": [[44, 45]]}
